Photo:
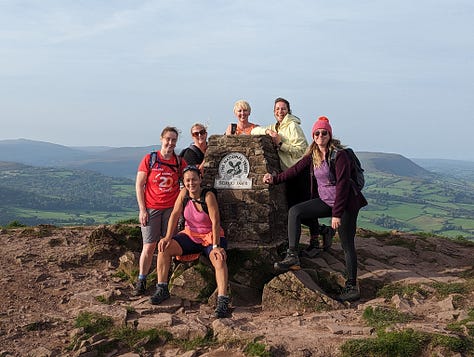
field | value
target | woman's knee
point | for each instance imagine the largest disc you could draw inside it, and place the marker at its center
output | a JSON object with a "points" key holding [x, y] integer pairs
{"points": [[294, 212], [218, 264], [149, 248], [173, 249]]}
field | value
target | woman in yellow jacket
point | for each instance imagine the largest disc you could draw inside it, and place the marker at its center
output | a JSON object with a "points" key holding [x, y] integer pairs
{"points": [[290, 141], [286, 134]]}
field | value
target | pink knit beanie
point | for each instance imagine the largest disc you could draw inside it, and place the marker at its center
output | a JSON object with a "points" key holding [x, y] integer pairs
{"points": [[322, 123]]}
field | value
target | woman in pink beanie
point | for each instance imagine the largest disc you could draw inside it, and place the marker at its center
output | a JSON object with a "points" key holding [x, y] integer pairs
{"points": [[339, 198]]}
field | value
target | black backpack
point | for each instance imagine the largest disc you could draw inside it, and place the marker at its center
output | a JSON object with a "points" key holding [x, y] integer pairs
{"points": [[195, 149], [357, 172], [201, 201]]}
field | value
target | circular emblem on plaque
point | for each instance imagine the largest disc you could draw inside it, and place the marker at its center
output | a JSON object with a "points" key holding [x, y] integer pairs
{"points": [[234, 166]]}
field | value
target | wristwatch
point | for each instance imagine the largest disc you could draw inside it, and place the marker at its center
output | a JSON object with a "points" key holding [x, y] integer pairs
{"points": [[214, 246]]}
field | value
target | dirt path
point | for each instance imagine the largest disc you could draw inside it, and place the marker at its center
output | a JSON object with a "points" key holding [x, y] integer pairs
{"points": [[50, 274]]}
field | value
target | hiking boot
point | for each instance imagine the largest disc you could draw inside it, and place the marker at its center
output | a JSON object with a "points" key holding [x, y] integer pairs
{"points": [[328, 234], [291, 262], [140, 287], [349, 293], [312, 249], [161, 294], [222, 308]]}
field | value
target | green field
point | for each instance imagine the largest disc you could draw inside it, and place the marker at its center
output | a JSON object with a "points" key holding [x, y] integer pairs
{"points": [[70, 197], [72, 217], [413, 205], [63, 197]]}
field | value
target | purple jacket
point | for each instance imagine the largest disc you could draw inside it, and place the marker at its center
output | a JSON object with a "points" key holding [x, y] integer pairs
{"points": [[347, 195]]}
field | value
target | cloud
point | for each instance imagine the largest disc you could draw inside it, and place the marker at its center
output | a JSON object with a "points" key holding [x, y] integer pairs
{"points": [[116, 20]]}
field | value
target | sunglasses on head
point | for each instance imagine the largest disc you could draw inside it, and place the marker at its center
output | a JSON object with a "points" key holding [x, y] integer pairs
{"points": [[200, 132], [192, 168], [322, 132]]}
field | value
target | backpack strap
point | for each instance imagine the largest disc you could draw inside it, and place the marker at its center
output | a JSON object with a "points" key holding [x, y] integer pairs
{"points": [[154, 158], [186, 199], [202, 199], [179, 162], [332, 165]]}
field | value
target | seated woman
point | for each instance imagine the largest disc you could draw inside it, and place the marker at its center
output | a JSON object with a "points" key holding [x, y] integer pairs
{"points": [[202, 234], [242, 112]]}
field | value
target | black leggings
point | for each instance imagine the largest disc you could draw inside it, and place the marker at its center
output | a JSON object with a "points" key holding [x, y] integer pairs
{"points": [[298, 190], [316, 208]]}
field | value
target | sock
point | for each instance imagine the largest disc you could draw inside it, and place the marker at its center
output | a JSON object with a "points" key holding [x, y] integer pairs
{"points": [[141, 276]]}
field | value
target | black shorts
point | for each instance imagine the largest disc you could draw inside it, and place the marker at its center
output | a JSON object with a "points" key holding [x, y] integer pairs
{"points": [[190, 247]]}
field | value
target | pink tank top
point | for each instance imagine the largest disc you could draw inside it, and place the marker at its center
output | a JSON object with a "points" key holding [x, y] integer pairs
{"points": [[198, 222]]}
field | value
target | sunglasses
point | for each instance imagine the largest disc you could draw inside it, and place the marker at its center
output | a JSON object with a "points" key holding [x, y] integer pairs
{"points": [[192, 168], [200, 132], [322, 132]]}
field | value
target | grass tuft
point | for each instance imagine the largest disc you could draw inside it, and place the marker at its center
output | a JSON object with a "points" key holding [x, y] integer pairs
{"points": [[443, 290], [256, 349], [390, 290], [408, 343], [379, 317], [93, 323]]}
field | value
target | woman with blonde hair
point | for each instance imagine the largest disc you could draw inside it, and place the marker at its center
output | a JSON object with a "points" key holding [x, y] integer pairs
{"points": [[194, 153], [242, 112], [339, 198]]}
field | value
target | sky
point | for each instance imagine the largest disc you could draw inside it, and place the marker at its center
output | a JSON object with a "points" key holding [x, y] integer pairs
{"points": [[393, 76]]}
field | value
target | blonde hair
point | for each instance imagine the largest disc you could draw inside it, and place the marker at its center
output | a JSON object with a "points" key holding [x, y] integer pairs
{"points": [[242, 104], [317, 154]]}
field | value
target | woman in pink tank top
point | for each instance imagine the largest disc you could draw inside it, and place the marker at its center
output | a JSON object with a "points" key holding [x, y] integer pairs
{"points": [[202, 234]]}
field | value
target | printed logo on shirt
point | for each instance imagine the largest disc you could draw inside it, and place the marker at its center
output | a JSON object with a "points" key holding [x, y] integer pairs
{"points": [[164, 179]]}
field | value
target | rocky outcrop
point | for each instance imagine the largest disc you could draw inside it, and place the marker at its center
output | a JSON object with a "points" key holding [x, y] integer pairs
{"points": [[49, 279], [296, 292]]}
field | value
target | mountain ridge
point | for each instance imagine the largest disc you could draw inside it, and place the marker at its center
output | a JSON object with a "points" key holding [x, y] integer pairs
{"points": [[123, 161], [402, 195]]}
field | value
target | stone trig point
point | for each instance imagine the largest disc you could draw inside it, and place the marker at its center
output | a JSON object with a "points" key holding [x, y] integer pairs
{"points": [[253, 214]]}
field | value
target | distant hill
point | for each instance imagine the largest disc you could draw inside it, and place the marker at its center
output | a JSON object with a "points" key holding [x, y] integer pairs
{"points": [[457, 169], [96, 185], [36, 195], [116, 162], [123, 161], [394, 164], [38, 153]]}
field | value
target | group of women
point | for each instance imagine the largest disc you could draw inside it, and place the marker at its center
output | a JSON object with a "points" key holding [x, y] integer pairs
{"points": [[310, 195]]}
